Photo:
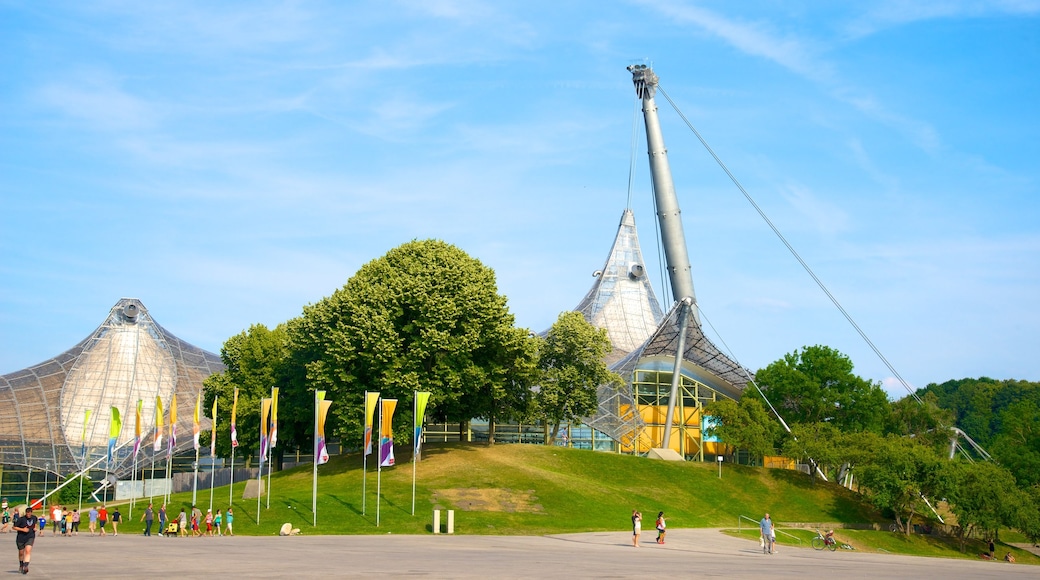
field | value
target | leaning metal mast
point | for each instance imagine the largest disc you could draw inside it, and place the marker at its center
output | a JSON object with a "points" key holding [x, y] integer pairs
{"points": [[668, 214], [672, 237]]}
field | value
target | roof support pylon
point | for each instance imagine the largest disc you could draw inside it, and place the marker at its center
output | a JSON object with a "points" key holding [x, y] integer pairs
{"points": [[668, 214]]}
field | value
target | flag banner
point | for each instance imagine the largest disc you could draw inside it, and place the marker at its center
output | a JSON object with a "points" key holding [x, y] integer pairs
{"points": [[157, 444], [322, 454], [421, 399], [83, 440], [195, 427], [386, 433], [234, 413], [370, 410], [274, 417], [213, 431], [173, 426], [137, 428], [265, 410], [115, 426]]}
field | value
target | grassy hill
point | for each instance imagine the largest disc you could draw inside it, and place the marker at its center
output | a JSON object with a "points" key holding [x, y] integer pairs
{"points": [[532, 489]]}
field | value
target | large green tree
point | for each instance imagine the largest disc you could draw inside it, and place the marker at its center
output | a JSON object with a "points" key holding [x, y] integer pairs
{"points": [[817, 444], [743, 425], [983, 496], [816, 384], [926, 421], [426, 316], [572, 369], [897, 474], [255, 361]]}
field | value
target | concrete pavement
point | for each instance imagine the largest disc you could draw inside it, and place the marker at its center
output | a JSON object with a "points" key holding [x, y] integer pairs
{"points": [[688, 552]]}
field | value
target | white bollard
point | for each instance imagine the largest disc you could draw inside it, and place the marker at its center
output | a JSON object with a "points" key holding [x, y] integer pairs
{"points": [[451, 521], [436, 521]]}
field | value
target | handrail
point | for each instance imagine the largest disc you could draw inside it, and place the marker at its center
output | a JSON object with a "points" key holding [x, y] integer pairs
{"points": [[757, 523]]}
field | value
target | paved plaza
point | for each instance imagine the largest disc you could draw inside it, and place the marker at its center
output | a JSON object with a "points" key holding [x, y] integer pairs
{"points": [[688, 553]]}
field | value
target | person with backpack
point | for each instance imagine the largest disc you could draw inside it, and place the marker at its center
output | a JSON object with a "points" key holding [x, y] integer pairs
{"points": [[660, 527]]}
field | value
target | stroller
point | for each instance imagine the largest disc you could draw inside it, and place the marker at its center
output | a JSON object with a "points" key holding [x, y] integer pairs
{"points": [[172, 529]]}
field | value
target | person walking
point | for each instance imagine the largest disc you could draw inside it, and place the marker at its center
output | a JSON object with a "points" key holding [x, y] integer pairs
{"points": [[765, 527], [217, 521], [116, 518], [637, 524], [162, 520], [102, 518], [230, 520], [26, 528], [182, 523], [209, 523], [148, 518], [75, 521], [93, 517], [660, 527], [55, 519]]}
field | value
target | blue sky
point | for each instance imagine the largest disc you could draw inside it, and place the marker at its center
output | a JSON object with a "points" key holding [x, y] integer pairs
{"points": [[228, 163]]}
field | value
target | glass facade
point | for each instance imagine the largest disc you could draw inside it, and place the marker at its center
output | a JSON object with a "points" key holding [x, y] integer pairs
{"points": [[44, 421]]}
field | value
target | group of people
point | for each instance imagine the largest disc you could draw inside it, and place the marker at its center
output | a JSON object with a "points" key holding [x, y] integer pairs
{"points": [[195, 525], [28, 524], [637, 524], [198, 524]]}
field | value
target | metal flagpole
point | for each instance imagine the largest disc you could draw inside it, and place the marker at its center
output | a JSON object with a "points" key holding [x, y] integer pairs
{"points": [[231, 488], [234, 445], [364, 456], [415, 456], [212, 452], [269, 453], [314, 477], [379, 464], [133, 488], [273, 440], [150, 496]]}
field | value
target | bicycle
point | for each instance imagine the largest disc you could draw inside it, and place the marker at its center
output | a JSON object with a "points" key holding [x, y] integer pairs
{"points": [[821, 541]]}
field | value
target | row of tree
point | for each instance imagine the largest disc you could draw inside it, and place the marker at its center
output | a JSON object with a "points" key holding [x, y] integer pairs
{"points": [[897, 453], [426, 316]]}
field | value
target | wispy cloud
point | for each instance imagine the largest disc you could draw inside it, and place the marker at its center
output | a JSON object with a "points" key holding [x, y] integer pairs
{"points": [[824, 216], [98, 100], [894, 13], [795, 53]]}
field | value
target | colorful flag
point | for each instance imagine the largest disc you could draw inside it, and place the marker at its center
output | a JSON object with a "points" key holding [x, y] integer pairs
{"points": [[157, 444], [173, 426], [137, 428], [386, 433], [421, 398], [234, 412], [274, 417], [265, 410], [321, 454], [213, 431], [83, 440], [195, 427], [115, 426], [370, 410]]}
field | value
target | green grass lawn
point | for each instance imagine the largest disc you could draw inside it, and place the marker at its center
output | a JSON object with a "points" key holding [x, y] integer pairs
{"points": [[533, 489]]}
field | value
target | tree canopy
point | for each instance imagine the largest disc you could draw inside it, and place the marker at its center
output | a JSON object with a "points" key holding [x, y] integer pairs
{"points": [[426, 316], [816, 384], [256, 361], [743, 425], [572, 368]]}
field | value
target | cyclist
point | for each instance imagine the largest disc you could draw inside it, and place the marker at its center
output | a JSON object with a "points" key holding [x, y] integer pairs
{"points": [[829, 538]]}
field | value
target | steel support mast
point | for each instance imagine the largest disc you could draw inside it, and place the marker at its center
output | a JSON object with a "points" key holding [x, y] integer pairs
{"points": [[668, 214], [677, 260]]}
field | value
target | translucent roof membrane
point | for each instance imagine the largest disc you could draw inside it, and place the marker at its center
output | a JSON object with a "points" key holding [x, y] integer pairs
{"points": [[43, 419]]}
